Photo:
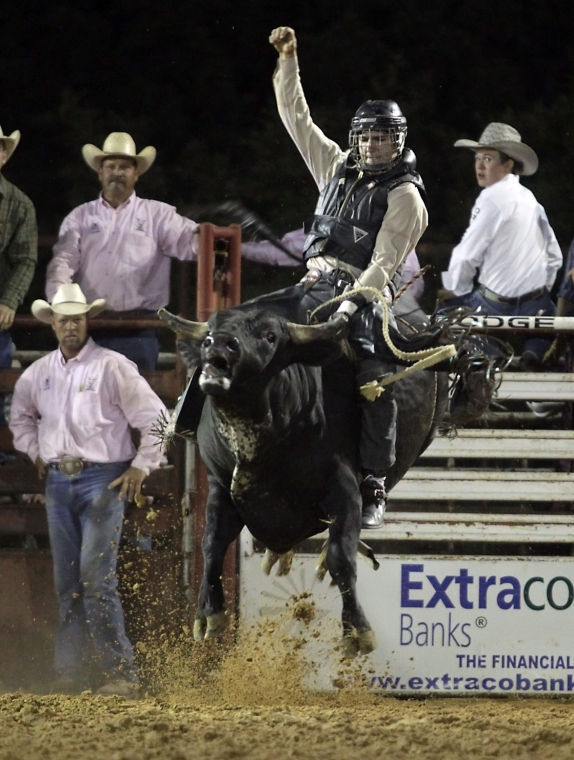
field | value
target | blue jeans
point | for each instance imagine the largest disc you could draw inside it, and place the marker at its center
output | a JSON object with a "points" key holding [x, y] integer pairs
{"points": [[5, 361], [85, 526]]}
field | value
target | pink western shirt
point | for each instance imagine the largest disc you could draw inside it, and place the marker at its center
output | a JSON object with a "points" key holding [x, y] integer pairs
{"points": [[122, 254], [265, 252], [85, 407]]}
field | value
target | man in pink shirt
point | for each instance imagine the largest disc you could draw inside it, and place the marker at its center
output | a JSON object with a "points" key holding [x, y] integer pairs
{"points": [[72, 413], [120, 246]]}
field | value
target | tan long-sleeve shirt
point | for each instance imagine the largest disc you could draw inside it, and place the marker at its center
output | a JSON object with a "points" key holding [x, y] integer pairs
{"points": [[406, 218]]}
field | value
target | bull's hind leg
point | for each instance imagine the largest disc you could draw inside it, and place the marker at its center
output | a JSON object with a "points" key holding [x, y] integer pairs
{"points": [[222, 526], [344, 532], [283, 561]]}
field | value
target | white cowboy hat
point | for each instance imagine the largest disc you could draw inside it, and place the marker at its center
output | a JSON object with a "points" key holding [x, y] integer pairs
{"points": [[504, 138], [10, 141], [68, 300], [119, 144]]}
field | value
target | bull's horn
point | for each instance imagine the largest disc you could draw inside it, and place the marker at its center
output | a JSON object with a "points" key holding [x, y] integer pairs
{"points": [[184, 327], [334, 329]]}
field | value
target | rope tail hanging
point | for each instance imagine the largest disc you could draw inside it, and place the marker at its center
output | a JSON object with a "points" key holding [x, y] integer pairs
{"points": [[422, 359], [413, 279]]}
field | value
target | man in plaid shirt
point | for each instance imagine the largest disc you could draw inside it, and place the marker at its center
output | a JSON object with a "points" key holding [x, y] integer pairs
{"points": [[18, 251]]}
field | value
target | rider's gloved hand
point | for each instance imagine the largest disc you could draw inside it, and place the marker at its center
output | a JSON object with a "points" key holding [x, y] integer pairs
{"points": [[350, 305], [284, 41]]}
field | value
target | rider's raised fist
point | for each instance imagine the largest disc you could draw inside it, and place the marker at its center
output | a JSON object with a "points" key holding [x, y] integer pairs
{"points": [[284, 41]]}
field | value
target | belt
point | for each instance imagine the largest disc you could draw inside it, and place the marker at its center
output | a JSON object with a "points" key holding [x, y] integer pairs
{"points": [[492, 296], [339, 278], [71, 465]]}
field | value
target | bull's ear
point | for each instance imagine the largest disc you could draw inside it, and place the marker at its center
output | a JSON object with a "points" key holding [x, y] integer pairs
{"points": [[184, 327]]}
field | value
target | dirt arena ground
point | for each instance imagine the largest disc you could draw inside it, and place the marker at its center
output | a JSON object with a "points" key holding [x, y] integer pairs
{"points": [[250, 703], [177, 728]]}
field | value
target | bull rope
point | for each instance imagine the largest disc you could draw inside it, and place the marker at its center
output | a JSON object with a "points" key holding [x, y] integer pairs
{"points": [[422, 359], [413, 279]]}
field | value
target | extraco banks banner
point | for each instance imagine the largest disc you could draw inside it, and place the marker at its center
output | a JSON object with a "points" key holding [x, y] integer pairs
{"points": [[444, 625]]}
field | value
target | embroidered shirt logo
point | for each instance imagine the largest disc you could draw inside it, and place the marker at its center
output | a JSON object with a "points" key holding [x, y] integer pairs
{"points": [[359, 234], [46, 384], [88, 385], [140, 225], [94, 227]]}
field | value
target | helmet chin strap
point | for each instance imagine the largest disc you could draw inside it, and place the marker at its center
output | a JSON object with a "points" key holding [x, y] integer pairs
{"points": [[407, 158], [381, 167]]}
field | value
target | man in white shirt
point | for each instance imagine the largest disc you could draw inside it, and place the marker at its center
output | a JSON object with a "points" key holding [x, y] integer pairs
{"points": [[508, 258], [72, 413]]}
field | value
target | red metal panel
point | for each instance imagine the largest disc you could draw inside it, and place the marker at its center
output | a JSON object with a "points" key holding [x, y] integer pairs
{"points": [[218, 269], [218, 287]]}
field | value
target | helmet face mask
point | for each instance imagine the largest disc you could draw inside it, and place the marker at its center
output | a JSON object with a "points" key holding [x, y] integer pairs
{"points": [[377, 135]]}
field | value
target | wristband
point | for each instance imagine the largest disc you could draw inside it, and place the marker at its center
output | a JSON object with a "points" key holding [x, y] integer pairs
{"points": [[348, 308]]}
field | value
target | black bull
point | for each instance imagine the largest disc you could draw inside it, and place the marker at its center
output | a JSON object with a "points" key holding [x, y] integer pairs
{"points": [[278, 438]]}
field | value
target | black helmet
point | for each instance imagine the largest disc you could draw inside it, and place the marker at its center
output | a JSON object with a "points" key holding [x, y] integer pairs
{"points": [[378, 116]]}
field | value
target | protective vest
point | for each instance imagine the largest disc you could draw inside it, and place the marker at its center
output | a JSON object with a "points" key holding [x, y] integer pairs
{"points": [[351, 209]]}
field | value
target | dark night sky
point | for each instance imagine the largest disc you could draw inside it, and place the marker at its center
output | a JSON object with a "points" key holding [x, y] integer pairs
{"points": [[193, 79]]}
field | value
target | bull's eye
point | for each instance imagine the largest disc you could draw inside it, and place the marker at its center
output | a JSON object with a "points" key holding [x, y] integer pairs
{"points": [[232, 344], [270, 337], [208, 341]]}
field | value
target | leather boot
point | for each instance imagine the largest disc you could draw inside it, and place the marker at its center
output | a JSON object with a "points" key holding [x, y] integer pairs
{"points": [[374, 501]]}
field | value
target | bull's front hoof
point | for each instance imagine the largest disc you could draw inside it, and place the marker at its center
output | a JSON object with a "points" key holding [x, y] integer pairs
{"points": [[367, 641], [209, 627], [358, 642], [373, 515], [199, 627]]}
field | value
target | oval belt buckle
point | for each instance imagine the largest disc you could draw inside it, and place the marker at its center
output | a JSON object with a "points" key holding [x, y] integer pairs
{"points": [[70, 465]]}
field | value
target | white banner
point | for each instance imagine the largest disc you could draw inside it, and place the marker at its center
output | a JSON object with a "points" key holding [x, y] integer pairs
{"points": [[544, 324], [444, 625]]}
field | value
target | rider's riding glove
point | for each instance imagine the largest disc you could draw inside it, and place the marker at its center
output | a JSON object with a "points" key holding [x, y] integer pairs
{"points": [[352, 304]]}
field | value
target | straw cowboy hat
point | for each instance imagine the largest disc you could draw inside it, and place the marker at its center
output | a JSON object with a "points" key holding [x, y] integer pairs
{"points": [[10, 141], [505, 138], [119, 144], [68, 300]]}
